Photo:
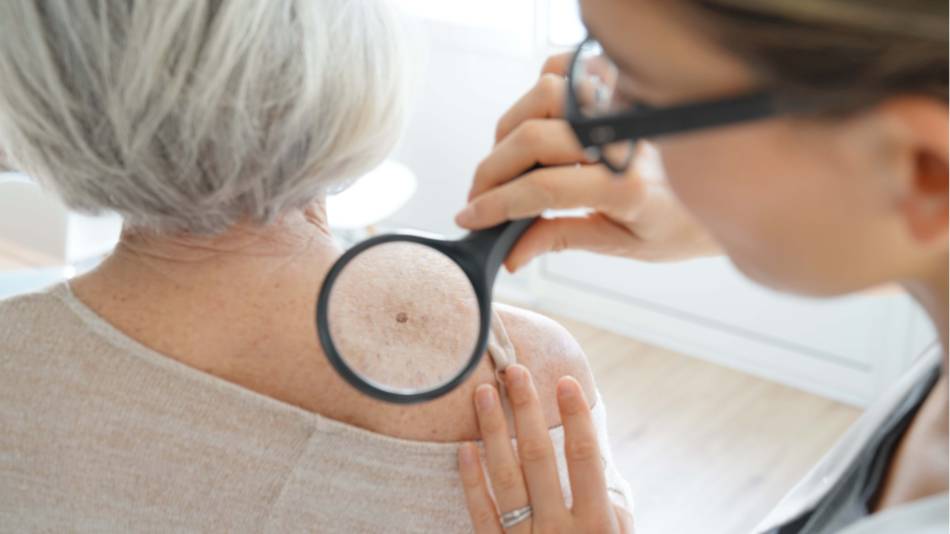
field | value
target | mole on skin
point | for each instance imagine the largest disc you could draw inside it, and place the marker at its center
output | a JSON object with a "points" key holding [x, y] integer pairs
{"points": [[401, 317]]}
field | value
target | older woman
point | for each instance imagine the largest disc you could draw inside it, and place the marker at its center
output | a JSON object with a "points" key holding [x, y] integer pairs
{"points": [[179, 386]]}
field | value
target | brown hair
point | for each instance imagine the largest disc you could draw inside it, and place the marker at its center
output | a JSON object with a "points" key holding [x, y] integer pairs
{"points": [[859, 50]]}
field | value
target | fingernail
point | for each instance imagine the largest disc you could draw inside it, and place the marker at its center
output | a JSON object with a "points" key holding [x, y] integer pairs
{"points": [[485, 397], [466, 216], [566, 389], [516, 376]]}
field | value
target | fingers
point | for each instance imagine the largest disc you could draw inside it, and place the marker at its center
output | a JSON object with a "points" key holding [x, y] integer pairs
{"points": [[581, 449], [503, 469], [544, 101], [592, 508], [594, 232], [591, 186], [480, 506], [624, 519], [557, 64], [534, 447], [533, 142]]}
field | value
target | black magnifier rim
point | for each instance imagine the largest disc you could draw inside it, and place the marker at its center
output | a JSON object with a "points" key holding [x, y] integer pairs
{"points": [[375, 390]]}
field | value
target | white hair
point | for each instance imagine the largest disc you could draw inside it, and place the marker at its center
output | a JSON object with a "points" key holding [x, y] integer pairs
{"points": [[192, 115]]}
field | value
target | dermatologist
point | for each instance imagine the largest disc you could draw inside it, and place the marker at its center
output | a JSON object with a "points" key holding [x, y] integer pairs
{"points": [[807, 141]]}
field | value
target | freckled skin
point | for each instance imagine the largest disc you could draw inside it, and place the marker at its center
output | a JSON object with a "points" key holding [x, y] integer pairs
{"points": [[420, 317], [372, 301], [264, 339]]}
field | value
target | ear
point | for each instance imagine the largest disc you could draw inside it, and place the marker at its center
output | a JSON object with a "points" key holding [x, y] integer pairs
{"points": [[923, 201]]}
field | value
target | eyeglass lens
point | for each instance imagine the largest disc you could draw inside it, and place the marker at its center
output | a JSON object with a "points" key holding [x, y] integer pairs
{"points": [[594, 82]]}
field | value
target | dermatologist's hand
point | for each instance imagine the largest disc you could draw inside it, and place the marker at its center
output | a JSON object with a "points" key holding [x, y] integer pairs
{"points": [[634, 215], [528, 480]]}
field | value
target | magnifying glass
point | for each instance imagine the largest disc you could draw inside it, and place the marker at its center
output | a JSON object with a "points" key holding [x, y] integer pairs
{"points": [[398, 338]]}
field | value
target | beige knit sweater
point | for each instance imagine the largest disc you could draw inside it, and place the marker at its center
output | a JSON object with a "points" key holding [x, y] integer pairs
{"points": [[100, 434]]}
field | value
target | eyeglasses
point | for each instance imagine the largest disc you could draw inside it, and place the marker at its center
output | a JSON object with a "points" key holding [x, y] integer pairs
{"points": [[608, 125]]}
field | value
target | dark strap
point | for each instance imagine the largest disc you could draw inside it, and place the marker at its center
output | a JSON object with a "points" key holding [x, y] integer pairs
{"points": [[853, 495]]}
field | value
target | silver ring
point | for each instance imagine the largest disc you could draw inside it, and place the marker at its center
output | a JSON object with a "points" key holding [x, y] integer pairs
{"points": [[512, 518]]}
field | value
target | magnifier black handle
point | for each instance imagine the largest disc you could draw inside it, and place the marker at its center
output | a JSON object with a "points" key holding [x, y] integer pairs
{"points": [[492, 245]]}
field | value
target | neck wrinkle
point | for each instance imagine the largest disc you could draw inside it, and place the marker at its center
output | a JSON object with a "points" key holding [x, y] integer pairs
{"points": [[298, 245], [293, 235]]}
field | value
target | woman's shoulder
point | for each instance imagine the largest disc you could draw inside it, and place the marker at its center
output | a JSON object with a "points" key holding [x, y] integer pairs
{"points": [[542, 345], [31, 317], [549, 351]]}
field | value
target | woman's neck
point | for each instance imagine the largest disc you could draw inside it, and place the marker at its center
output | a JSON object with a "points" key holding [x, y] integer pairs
{"points": [[240, 306], [218, 303], [930, 290], [244, 251], [919, 466]]}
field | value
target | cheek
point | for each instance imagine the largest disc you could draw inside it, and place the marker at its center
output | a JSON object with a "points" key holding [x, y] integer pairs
{"points": [[766, 199], [687, 170], [709, 173]]}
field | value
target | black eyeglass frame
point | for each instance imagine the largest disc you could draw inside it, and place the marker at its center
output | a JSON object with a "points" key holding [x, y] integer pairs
{"points": [[644, 121]]}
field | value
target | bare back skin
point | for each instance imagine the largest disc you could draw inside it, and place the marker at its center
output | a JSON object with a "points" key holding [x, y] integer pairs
{"points": [[249, 319]]}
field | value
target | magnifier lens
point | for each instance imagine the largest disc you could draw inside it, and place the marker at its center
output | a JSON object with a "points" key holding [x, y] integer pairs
{"points": [[403, 317]]}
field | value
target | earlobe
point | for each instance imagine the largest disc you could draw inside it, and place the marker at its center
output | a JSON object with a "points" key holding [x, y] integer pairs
{"points": [[926, 207], [924, 204]]}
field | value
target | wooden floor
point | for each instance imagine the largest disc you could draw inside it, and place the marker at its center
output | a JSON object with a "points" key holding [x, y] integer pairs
{"points": [[707, 449]]}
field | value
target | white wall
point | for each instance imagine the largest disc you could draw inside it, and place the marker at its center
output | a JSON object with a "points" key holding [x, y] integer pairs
{"points": [[37, 221], [468, 84]]}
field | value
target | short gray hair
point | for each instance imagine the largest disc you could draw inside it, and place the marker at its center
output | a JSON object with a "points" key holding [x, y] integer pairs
{"points": [[192, 115]]}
